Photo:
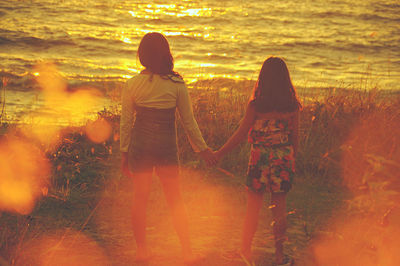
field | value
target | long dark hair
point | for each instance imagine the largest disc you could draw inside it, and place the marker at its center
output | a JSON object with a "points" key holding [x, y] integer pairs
{"points": [[155, 55], [274, 91]]}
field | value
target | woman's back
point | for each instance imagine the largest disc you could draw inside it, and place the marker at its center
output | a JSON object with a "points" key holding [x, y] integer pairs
{"points": [[159, 92], [154, 91]]}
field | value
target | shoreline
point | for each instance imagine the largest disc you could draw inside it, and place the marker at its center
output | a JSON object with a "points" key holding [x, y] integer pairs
{"points": [[30, 106], [28, 82]]}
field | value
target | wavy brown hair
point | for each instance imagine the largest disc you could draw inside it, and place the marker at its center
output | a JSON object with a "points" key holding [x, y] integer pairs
{"points": [[155, 55], [274, 91]]}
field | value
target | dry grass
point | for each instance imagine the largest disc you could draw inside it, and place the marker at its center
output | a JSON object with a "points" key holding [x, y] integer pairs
{"points": [[349, 154]]}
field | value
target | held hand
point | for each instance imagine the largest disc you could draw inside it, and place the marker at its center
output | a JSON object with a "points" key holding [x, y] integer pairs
{"points": [[208, 156], [218, 155]]}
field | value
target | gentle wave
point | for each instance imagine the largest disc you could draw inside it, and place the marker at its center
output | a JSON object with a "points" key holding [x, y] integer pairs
{"points": [[92, 40]]}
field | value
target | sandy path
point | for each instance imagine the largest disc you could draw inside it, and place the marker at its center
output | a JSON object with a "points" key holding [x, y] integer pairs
{"points": [[216, 206]]}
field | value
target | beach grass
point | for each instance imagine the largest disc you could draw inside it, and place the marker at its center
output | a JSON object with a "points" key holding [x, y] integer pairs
{"points": [[348, 154]]}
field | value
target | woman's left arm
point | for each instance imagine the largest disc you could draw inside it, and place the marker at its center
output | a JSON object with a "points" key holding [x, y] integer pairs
{"points": [[191, 127], [126, 121], [188, 120]]}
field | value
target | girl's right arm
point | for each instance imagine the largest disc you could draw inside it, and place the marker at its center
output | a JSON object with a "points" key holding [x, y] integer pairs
{"points": [[240, 133]]}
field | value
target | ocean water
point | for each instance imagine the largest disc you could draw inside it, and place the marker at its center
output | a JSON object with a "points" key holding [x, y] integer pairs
{"points": [[326, 43]]}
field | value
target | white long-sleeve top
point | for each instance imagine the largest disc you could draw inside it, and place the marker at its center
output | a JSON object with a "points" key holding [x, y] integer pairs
{"points": [[151, 90]]}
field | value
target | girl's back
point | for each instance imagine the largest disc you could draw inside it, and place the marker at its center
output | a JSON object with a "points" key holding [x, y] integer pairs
{"points": [[272, 129]]}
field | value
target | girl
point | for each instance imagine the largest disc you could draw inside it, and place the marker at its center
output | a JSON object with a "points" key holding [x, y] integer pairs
{"points": [[272, 117], [149, 141]]}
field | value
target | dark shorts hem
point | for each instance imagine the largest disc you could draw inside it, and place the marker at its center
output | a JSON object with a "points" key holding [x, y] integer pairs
{"points": [[142, 162]]}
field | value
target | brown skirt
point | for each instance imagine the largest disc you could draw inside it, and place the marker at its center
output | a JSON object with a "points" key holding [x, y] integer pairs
{"points": [[153, 140]]}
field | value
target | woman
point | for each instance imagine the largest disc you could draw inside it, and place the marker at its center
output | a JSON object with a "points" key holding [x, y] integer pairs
{"points": [[149, 141]]}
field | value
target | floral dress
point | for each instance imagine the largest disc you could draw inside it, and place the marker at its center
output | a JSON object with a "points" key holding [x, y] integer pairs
{"points": [[271, 164]]}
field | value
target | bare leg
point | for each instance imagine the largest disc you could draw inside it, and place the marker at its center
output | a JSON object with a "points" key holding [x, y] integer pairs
{"points": [[254, 203], [171, 186], [142, 186], [279, 216]]}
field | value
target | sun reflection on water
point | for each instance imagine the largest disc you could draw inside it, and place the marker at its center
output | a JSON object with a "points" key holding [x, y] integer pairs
{"points": [[153, 10]]}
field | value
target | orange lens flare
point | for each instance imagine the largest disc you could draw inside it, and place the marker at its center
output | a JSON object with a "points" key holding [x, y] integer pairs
{"points": [[67, 105], [98, 131], [62, 248], [371, 154], [368, 233], [47, 135], [49, 79], [360, 241], [23, 175]]}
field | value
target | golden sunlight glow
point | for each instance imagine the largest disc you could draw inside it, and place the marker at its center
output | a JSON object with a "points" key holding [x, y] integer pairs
{"points": [[196, 12], [211, 76], [137, 15], [74, 103], [47, 135], [168, 7], [154, 11], [126, 40], [24, 173], [177, 32], [81, 101], [50, 79], [207, 65], [127, 76]]}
